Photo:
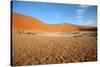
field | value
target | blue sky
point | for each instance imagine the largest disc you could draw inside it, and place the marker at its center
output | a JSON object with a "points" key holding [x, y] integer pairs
{"points": [[53, 13]]}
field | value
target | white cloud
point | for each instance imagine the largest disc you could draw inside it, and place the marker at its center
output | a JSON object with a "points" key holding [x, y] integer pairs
{"points": [[80, 13], [84, 6], [79, 16], [81, 10], [89, 22]]}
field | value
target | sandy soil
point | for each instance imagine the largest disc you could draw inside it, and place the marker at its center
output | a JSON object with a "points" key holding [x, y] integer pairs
{"points": [[28, 49]]}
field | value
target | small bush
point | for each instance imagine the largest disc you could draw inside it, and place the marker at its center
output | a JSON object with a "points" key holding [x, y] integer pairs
{"points": [[31, 33]]}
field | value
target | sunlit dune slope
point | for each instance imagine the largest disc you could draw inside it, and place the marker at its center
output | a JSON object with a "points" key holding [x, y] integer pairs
{"points": [[23, 22]]}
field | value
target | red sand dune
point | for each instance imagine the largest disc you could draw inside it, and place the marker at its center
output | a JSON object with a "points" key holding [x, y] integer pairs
{"points": [[23, 22]]}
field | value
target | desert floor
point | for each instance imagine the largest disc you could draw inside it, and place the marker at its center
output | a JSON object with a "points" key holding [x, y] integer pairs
{"points": [[51, 48]]}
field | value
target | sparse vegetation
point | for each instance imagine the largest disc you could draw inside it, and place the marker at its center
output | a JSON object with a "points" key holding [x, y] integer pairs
{"points": [[20, 31], [32, 49], [31, 33]]}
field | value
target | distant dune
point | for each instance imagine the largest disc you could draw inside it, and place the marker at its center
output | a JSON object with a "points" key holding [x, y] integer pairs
{"points": [[23, 22]]}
